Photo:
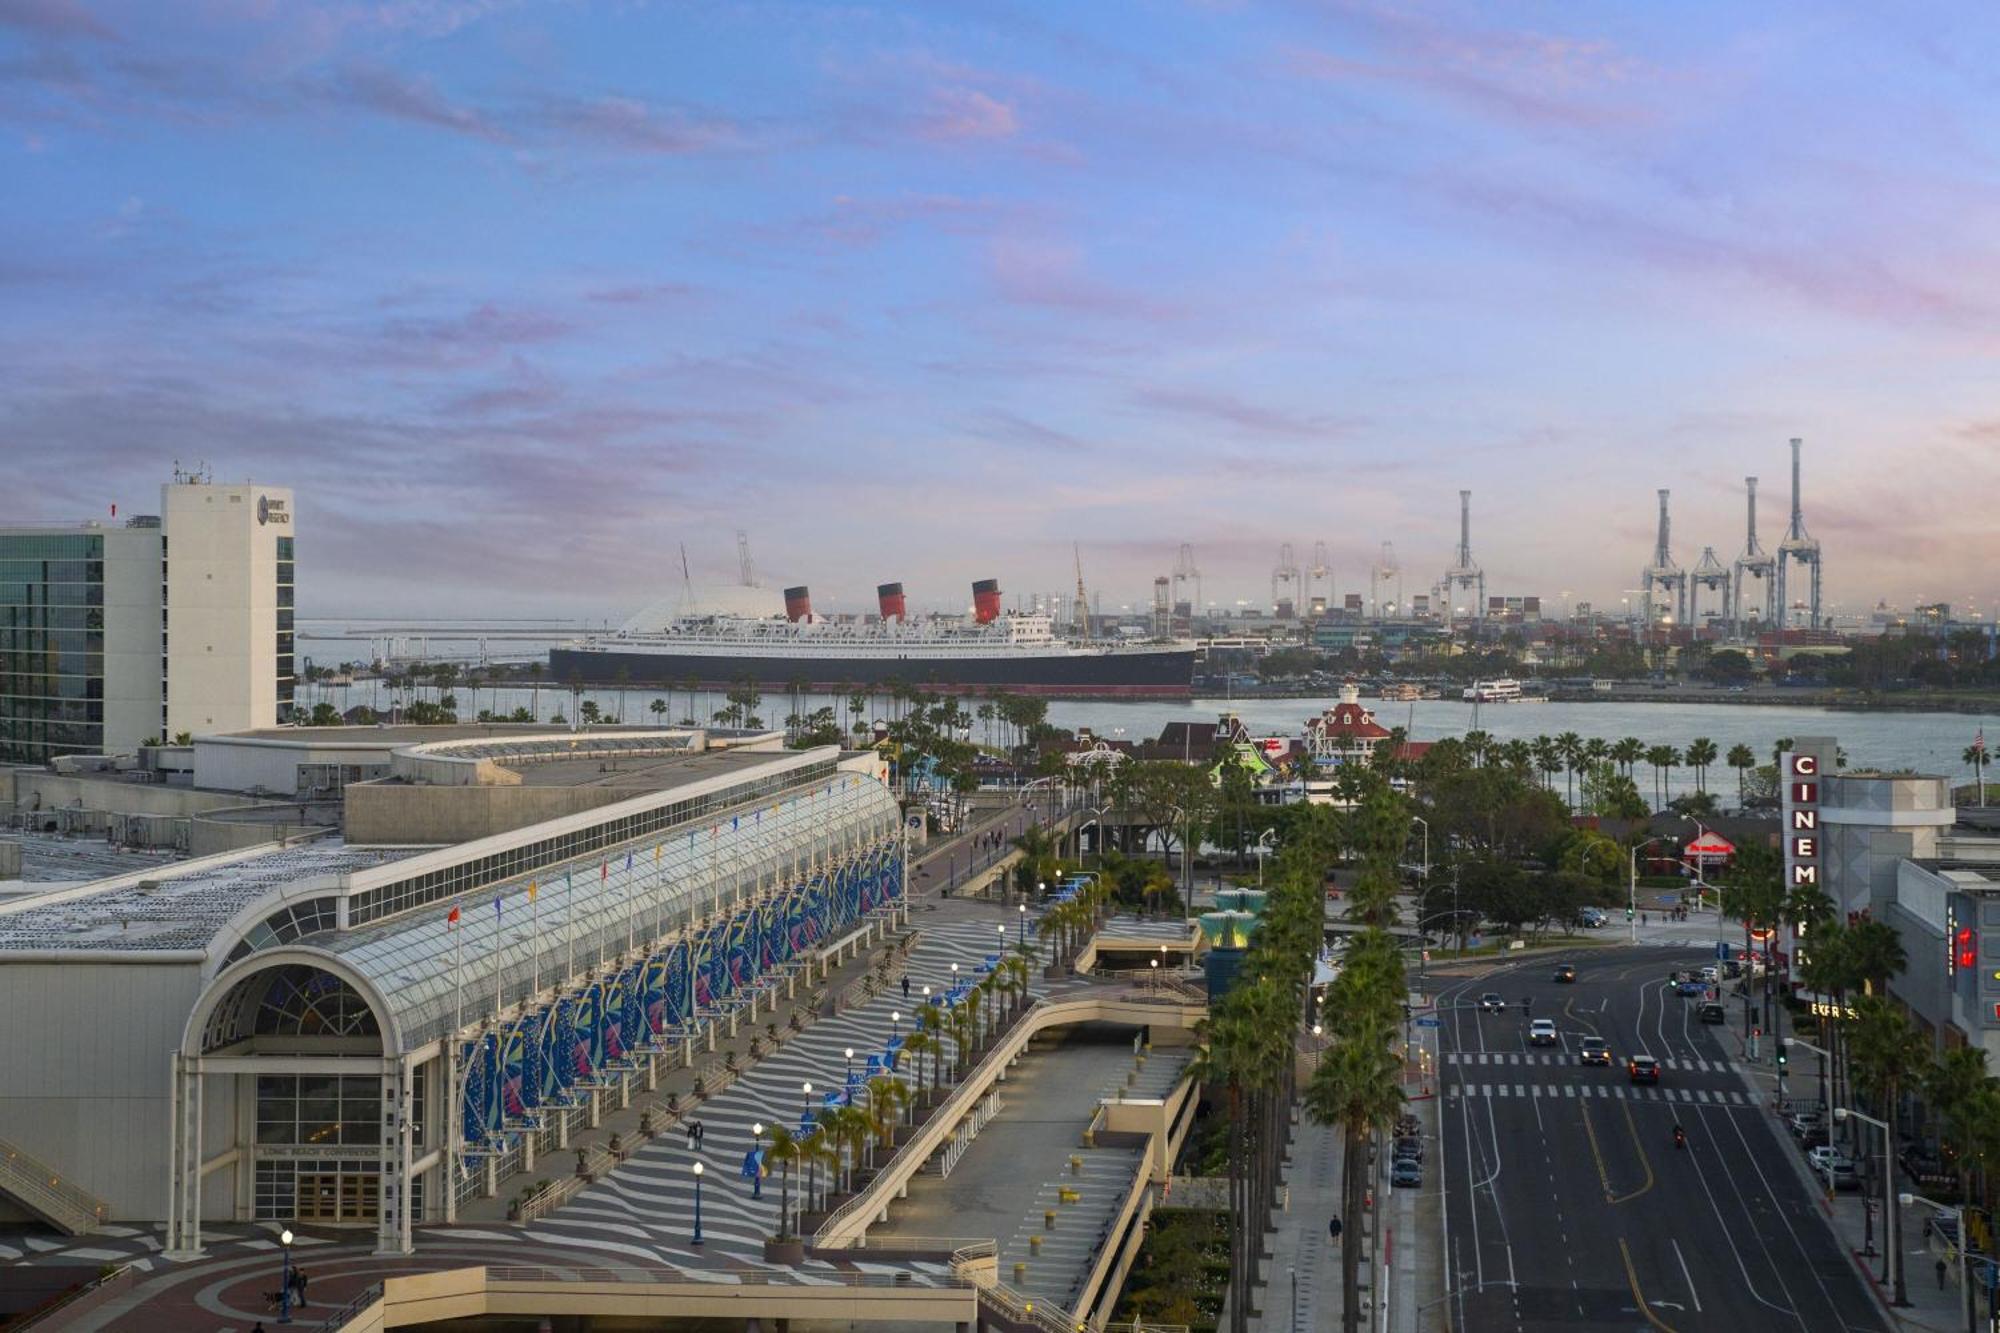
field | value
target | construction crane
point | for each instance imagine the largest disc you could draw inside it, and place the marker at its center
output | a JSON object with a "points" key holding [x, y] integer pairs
{"points": [[744, 570], [1319, 581], [1708, 572], [1465, 571], [1384, 570], [1185, 573], [1800, 549], [1285, 583], [1663, 575], [1756, 563]]}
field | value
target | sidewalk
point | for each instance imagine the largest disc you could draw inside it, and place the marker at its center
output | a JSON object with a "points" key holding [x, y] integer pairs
{"points": [[1301, 1291], [1929, 1306]]}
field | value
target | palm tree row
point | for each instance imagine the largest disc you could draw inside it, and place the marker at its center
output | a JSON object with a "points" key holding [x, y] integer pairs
{"points": [[1543, 758], [1250, 1045], [1357, 1084]]}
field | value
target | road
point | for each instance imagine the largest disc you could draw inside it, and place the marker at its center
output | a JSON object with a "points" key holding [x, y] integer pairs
{"points": [[1566, 1203]]}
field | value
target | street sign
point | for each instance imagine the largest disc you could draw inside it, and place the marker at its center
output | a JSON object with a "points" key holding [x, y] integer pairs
{"points": [[1430, 1022]]}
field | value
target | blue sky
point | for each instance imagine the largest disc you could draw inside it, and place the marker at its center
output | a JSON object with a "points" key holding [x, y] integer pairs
{"points": [[521, 296]]}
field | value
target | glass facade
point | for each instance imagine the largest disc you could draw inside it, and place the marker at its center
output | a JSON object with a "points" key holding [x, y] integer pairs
{"points": [[51, 645], [287, 679]]}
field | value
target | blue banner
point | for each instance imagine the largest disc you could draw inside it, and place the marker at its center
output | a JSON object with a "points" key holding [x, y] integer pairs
{"points": [[614, 1020], [480, 1104], [558, 1069], [520, 1082], [741, 962], [680, 977]]}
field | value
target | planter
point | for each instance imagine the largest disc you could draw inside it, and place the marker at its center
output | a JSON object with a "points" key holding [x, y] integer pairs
{"points": [[789, 1251]]}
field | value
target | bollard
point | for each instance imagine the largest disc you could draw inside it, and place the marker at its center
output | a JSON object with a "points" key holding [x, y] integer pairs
{"points": [[1090, 1138], [1034, 1245], [1020, 1273], [1076, 1166], [1068, 1195], [1048, 1219]]}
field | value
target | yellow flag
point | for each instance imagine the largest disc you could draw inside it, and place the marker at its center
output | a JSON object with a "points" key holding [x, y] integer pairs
{"points": [[531, 890]]}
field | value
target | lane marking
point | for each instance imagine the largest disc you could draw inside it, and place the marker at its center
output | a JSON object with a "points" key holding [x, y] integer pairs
{"points": [[1686, 1276], [1633, 1277], [1645, 1159]]}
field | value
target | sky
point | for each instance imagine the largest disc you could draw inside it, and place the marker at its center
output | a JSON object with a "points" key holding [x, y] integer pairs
{"points": [[522, 298]]}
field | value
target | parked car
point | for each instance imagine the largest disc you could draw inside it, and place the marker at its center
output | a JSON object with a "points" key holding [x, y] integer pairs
{"points": [[1690, 987], [1592, 917], [1801, 1122], [1406, 1174], [1411, 1148], [1834, 1166]]}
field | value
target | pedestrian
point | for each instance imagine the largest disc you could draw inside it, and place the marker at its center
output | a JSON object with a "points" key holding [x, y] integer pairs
{"points": [[906, 988], [700, 1132], [299, 1283], [1940, 1272], [690, 1134]]}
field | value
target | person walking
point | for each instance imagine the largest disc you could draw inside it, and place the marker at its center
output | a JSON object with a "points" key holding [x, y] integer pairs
{"points": [[906, 988], [299, 1286]]}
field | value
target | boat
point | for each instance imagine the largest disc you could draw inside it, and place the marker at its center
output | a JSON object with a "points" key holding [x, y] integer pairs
{"points": [[989, 651], [1403, 692], [1500, 691]]}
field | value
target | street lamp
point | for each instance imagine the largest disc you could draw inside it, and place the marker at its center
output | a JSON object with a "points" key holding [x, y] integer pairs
{"points": [[1892, 1237], [850, 1064], [1964, 1252], [1823, 1054], [1262, 850], [756, 1165], [696, 1239], [808, 1089], [896, 1020], [285, 1279], [1632, 902], [1024, 927]]}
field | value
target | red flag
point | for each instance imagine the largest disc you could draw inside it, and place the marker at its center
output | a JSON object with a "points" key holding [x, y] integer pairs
{"points": [[604, 870], [452, 920]]}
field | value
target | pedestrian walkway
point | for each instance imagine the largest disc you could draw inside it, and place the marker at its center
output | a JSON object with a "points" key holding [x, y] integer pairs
{"points": [[1301, 1291]]}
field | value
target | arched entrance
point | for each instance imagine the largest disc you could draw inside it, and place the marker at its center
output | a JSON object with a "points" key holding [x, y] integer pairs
{"points": [[315, 1113]]}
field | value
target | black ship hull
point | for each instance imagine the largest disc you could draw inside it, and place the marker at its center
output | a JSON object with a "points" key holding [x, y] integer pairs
{"points": [[1162, 675]]}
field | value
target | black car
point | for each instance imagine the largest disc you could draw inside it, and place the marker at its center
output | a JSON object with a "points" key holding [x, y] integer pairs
{"points": [[1643, 1069], [1566, 973], [1711, 1013]]}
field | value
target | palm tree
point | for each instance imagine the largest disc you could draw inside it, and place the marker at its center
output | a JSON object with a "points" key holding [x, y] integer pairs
{"points": [[919, 1043], [1888, 1056], [1701, 752], [1662, 758], [1547, 759], [1628, 752], [1741, 758], [784, 1150], [1975, 755], [658, 708], [1960, 1092], [1355, 1088], [1778, 748], [1876, 953], [1477, 743]]}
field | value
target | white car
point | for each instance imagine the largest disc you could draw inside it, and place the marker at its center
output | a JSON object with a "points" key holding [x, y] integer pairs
{"points": [[1542, 1032]]}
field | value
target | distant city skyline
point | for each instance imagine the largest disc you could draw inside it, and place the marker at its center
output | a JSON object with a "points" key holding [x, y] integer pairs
{"points": [[520, 298]]}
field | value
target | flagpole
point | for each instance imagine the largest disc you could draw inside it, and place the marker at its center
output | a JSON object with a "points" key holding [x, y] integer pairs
{"points": [[497, 1006], [457, 981], [535, 930], [631, 907]]}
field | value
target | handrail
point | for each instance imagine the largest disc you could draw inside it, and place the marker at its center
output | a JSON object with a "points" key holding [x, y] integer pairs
{"points": [[948, 1111], [72, 1296], [774, 1277], [43, 1189], [345, 1315], [1047, 1316]]}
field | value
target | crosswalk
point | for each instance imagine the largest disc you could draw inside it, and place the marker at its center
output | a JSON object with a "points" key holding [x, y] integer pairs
{"points": [[1561, 1058], [1603, 1092]]}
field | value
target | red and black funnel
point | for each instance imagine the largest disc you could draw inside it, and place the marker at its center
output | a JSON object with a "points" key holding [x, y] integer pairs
{"points": [[889, 597], [798, 603], [986, 601]]}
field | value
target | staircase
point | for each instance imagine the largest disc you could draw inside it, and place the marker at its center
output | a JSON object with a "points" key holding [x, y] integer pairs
{"points": [[42, 1190]]}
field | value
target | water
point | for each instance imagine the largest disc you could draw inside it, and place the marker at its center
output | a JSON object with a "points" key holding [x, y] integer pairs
{"points": [[1926, 742]]}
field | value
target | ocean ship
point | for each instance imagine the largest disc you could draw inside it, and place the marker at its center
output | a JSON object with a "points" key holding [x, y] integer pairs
{"points": [[991, 651], [1502, 691]]}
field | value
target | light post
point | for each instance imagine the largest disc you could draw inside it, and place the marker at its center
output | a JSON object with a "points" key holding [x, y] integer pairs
{"points": [[1964, 1252], [896, 1020], [1262, 850], [285, 1277], [756, 1163], [1892, 1239], [1024, 927], [808, 1091], [1632, 902], [1425, 877], [696, 1238], [850, 1064], [1156, 974], [1824, 1055]]}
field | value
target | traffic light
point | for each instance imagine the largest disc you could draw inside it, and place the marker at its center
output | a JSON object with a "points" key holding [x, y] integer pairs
{"points": [[1628, 914], [1784, 1055]]}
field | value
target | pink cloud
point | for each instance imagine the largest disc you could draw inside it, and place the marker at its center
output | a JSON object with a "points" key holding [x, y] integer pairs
{"points": [[630, 125], [387, 93], [1258, 418], [958, 114], [1055, 277]]}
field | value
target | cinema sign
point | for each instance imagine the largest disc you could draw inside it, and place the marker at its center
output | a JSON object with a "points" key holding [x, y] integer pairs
{"points": [[1800, 807]]}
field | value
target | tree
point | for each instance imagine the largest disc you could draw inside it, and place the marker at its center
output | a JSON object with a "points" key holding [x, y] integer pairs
{"points": [[1663, 758], [1741, 758], [324, 715], [1569, 746], [1701, 752], [785, 1151], [1628, 752], [658, 708], [1610, 794], [1876, 953], [1728, 667], [1975, 755]]}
